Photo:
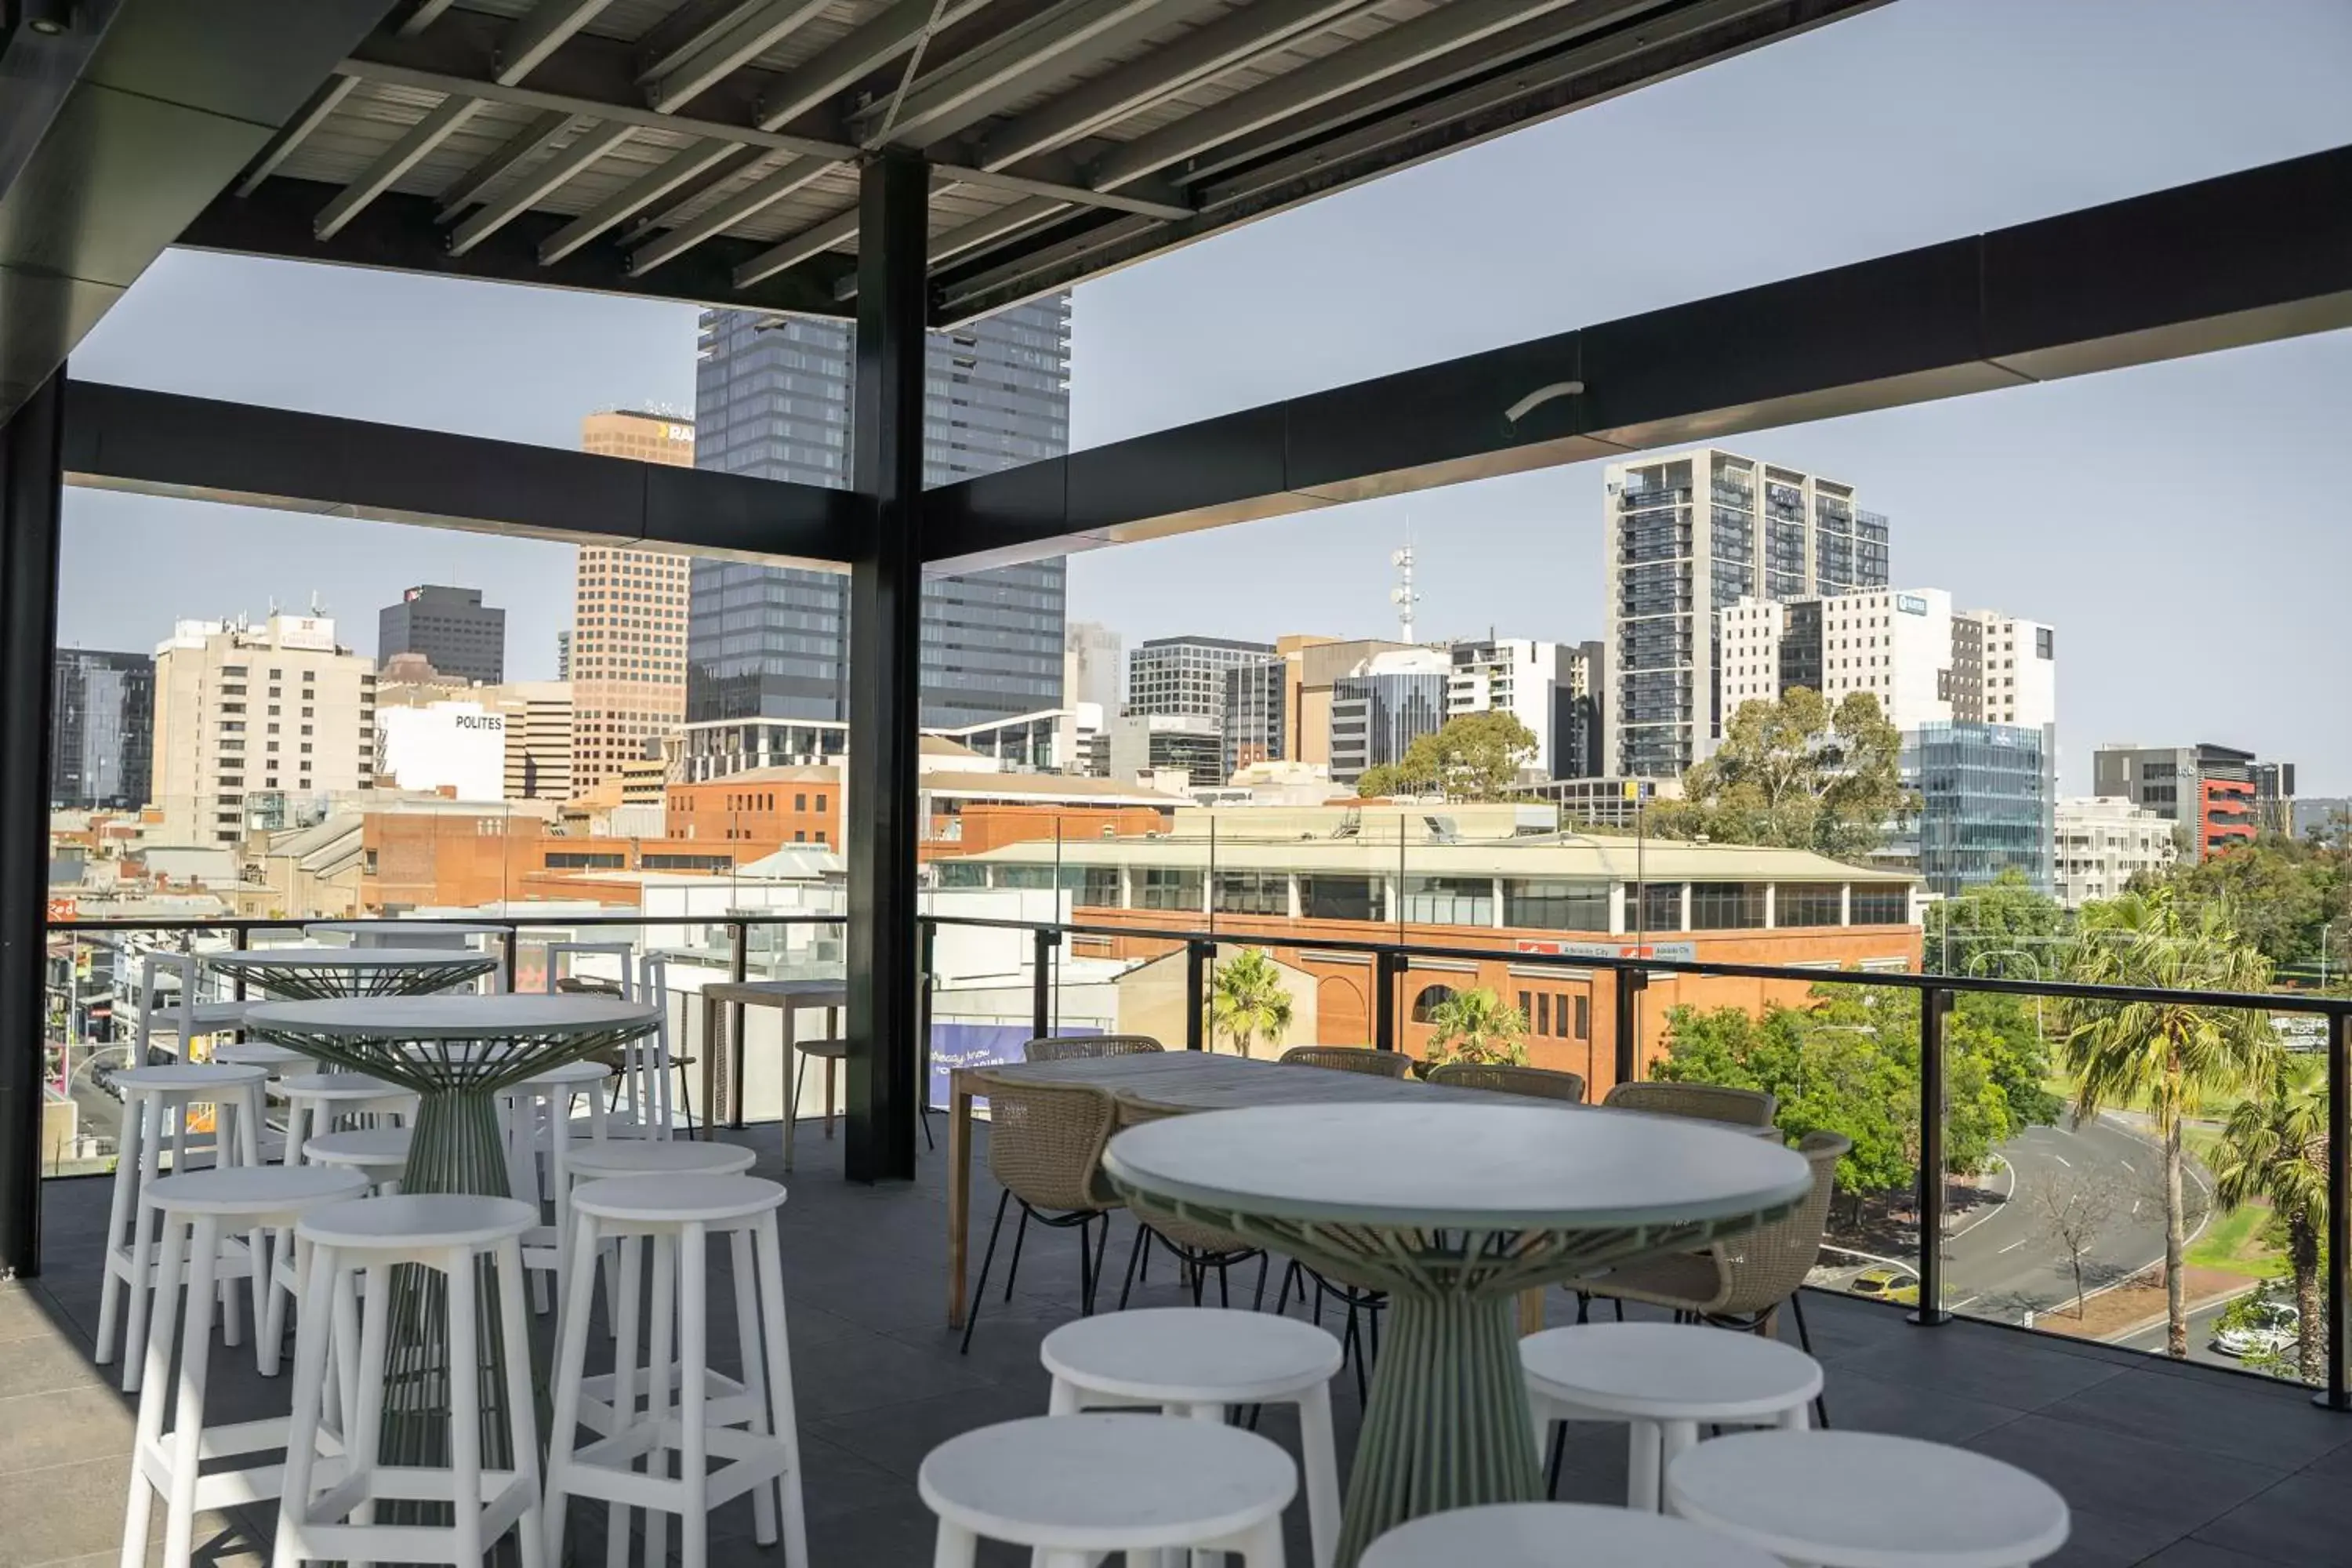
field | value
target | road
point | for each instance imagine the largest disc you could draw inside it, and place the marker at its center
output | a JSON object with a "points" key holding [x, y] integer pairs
{"points": [[2000, 1260], [2201, 1339]]}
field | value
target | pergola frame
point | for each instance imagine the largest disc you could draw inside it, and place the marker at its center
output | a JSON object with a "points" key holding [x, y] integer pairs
{"points": [[2247, 257]]}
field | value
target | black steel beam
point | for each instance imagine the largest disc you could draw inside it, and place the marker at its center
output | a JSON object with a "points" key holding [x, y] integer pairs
{"points": [[886, 589], [170, 103], [165, 443], [402, 234], [2243, 259], [30, 510]]}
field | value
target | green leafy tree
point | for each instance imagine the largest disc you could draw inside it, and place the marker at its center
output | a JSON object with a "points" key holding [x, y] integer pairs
{"points": [[2166, 1056], [2003, 929], [1795, 774], [2279, 894], [1475, 1026], [1248, 1002], [1475, 757], [2273, 1150]]}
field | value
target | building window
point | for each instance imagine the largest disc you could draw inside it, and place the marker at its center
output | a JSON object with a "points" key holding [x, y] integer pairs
{"points": [[1343, 899], [1450, 900], [1252, 892], [1881, 903], [1727, 906], [1583, 1017], [1807, 904], [1548, 905], [1167, 889], [1543, 1013], [1662, 906], [1432, 997], [800, 803]]}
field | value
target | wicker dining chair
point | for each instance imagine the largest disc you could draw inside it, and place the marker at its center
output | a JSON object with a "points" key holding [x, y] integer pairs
{"points": [[1045, 1148], [1197, 1247], [1536, 1083], [1700, 1101], [1349, 1058], [1076, 1047], [1741, 1281]]}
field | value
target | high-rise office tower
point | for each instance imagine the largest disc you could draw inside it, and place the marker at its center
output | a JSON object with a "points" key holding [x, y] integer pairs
{"points": [[102, 750], [1692, 534], [252, 723], [627, 648], [2221, 796], [1185, 677], [1389, 702], [451, 627], [771, 399], [1091, 655], [1255, 704]]}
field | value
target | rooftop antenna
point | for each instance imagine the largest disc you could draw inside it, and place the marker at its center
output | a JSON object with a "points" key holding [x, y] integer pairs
{"points": [[1403, 595]]}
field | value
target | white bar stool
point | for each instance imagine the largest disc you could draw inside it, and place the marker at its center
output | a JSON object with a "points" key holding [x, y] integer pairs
{"points": [[679, 1215], [378, 1154], [1863, 1499], [274, 1060], [1201, 1361], [536, 1120], [446, 1232], [193, 1210], [315, 1102], [1666, 1380], [608, 1160], [1555, 1535], [1073, 1487], [155, 1103]]}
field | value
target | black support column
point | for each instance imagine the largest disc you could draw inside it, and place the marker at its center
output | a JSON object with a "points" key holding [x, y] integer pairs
{"points": [[886, 589], [31, 492]]}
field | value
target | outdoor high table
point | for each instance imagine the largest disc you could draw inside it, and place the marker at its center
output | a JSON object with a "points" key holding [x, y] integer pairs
{"points": [[457, 1053], [788, 997], [1451, 1208], [410, 934], [314, 973]]}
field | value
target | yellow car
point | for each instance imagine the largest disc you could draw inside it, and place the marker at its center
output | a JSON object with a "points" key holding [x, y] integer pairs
{"points": [[1885, 1284]]}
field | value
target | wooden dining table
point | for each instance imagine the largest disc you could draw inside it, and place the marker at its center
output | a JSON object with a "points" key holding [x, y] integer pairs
{"points": [[1182, 1081]]}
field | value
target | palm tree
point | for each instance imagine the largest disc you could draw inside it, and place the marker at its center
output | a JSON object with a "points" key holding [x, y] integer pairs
{"points": [[2274, 1149], [1475, 1026], [1248, 999], [2166, 1056]]}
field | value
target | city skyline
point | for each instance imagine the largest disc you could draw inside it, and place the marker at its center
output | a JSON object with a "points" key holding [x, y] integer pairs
{"points": [[2112, 484]]}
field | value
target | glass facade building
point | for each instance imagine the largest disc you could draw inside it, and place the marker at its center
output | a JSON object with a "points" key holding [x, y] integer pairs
{"points": [[451, 627], [771, 399], [102, 742], [1375, 717], [1688, 536], [1186, 676], [1987, 802]]}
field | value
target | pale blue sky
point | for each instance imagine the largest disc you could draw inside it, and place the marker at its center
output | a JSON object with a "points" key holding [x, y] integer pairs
{"points": [[2183, 525]]}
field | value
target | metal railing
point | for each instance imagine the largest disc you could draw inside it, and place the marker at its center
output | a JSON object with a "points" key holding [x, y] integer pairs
{"points": [[1630, 976]]}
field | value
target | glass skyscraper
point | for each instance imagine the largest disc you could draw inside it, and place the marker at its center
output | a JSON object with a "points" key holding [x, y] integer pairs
{"points": [[1987, 802], [771, 399], [103, 741]]}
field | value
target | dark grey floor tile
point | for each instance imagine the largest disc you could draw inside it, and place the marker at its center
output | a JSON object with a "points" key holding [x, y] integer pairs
{"points": [[886, 1537], [2301, 1519], [1858, 1402], [46, 1365], [2169, 1490], [858, 1371], [2195, 1553], [897, 1436], [2104, 1540], [1983, 1365], [2269, 1426], [92, 1421]]}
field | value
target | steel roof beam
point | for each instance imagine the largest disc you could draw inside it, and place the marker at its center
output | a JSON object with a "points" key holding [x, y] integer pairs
{"points": [[592, 144], [543, 131], [966, 88], [1410, 44], [634, 197], [857, 55], [297, 130], [760, 27], [425, 14], [677, 201], [755, 199], [1121, 91], [800, 248], [532, 37], [685, 30]]}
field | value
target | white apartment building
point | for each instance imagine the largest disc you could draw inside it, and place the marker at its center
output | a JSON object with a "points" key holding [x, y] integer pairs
{"points": [[1926, 662], [458, 745], [250, 721], [2103, 841], [1534, 682]]}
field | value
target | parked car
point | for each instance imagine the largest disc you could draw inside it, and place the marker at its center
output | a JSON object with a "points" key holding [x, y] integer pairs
{"points": [[2266, 1327], [1887, 1284]]}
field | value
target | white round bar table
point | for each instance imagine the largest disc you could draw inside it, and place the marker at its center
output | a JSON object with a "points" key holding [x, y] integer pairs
{"points": [[404, 933], [455, 1053], [1451, 1209], [317, 972]]}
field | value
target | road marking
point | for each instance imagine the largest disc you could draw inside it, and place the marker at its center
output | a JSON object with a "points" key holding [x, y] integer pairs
{"points": [[2013, 1246], [2064, 1161], [2127, 1165], [2134, 1208]]}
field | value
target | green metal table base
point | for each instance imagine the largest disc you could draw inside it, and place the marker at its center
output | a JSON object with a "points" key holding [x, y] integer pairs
{"points": [[1447, 1423], [328, 980]]}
